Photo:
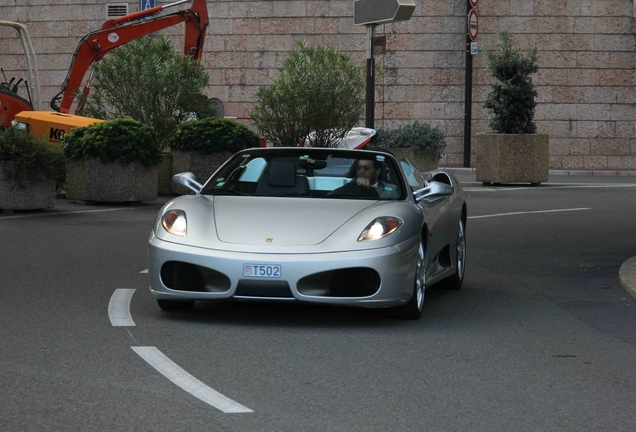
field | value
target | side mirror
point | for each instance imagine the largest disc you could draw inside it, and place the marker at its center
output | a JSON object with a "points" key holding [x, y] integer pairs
{"points": [[188, 180], [434, 190]]}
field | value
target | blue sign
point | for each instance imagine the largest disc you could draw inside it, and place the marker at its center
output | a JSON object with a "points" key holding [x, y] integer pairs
{"points": [[147, 4]]}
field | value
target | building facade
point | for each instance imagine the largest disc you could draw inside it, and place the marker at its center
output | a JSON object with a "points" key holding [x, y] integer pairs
{"points": [[586, 81]]}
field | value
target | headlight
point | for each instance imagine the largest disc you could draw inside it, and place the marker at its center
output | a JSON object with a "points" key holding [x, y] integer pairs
{"points": [[380, 228], [175, 222]]}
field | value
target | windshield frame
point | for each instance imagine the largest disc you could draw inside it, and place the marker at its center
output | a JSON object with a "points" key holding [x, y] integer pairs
{"points": [[235, 162]]}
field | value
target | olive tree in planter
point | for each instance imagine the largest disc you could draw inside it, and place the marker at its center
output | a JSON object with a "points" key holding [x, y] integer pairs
{"points": [[149, 81], [28, 171], [514, 152], [316, 99], [202, 146], [113, 161], [418, 142]]}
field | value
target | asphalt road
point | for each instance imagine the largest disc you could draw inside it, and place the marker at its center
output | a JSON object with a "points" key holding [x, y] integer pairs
{"points": [[541, 337]]}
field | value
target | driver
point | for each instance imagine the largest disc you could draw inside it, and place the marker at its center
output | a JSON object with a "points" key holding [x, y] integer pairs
{"points": [[368, 175]]}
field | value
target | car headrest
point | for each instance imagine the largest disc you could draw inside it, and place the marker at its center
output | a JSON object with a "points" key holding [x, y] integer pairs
{"points": [[282, 173]]}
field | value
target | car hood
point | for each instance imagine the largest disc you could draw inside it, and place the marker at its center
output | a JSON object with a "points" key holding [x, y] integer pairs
{"points": [[281, 221]]}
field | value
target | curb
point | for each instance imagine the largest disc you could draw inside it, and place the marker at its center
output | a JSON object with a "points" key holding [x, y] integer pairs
{"points": [[627, 276]]}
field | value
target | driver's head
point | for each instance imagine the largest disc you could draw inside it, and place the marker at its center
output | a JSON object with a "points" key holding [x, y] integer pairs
{"points": [[369, 169]]}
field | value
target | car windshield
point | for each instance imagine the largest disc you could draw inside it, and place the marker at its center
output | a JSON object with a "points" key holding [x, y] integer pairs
{"points": [[309, 173]]}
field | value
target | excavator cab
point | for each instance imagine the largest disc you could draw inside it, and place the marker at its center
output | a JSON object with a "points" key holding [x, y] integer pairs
{"points": [[19, 93]]}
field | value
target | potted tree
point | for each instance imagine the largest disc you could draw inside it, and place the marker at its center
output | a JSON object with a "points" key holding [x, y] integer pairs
{"points": [[112, 161], [28, 171], [418, 142], [316, 99], [149, 81], [202, 146], [514, 152]]}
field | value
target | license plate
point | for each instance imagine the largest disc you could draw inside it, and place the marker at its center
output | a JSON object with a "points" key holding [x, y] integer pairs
{"points": [[261, 270]]}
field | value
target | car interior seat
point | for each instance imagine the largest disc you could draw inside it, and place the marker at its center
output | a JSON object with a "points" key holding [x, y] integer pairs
{"points": [[281, 179]]}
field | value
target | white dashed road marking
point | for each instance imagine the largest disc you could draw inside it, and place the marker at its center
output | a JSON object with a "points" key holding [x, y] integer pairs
{"points": [[119, 308], [187, 382], [528, 212], [143, 271]]}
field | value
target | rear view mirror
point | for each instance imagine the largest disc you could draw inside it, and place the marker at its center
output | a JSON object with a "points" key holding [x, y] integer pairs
{"points": [[188, 180], [434, 190]]}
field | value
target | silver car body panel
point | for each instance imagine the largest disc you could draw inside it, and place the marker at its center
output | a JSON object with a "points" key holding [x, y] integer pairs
{"points": [[306, 236]]}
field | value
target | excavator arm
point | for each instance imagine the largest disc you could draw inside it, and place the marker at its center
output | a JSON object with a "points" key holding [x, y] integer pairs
{"points": [[119, 31]]}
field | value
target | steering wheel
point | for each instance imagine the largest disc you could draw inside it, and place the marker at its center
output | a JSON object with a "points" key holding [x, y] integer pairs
{"points": [[353, 189]]}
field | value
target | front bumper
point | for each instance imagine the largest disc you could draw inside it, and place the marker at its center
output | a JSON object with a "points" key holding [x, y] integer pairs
{"points": [[395, 266]]}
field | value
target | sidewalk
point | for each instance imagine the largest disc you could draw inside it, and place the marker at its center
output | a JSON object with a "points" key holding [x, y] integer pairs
{"points": [[627, 276]]}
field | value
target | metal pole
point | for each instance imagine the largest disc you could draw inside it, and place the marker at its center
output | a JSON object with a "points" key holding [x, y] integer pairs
{"points": [[468, 99], [370, 108]]}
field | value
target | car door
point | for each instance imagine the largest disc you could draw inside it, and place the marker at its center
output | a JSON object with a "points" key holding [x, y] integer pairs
{"points": [[435, 210]]}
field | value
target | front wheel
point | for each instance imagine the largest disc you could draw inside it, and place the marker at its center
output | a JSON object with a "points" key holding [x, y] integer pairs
{"points": [[455, 281], [175, 305], [413, 309]]}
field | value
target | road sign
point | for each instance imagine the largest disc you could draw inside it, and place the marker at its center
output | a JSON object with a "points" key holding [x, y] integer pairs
{"points": [[473, 3], [379, 45], [368, 12], [474, 48], [147, 4], [473, 25]]}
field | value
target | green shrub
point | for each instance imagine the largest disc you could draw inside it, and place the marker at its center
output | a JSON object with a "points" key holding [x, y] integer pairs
{"points": [[418, 136], [124, 139], [512, 100], [211, 135], [317, 97], [149, 81], [32, 158]]}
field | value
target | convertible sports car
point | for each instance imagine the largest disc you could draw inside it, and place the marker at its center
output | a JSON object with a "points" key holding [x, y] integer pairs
{"points": [[333, 226]]}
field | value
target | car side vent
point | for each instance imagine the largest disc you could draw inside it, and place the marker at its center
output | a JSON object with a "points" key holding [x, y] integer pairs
{"points": [[114, 10]]}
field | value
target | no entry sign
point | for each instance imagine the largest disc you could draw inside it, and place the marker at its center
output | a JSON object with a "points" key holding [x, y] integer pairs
{"points": [[473, 25]]}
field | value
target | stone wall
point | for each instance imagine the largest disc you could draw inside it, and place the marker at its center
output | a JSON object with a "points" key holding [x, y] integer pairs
{"points": [[587, 100]]}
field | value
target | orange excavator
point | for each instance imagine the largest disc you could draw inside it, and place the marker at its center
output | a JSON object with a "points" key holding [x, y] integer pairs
{"points": [[93, 47]]}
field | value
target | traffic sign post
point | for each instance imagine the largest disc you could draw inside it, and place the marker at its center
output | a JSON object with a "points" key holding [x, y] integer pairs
{"points": [[370, 13], [472, 31]]}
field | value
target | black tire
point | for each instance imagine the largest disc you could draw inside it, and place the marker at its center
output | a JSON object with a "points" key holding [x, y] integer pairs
{"points": [[175, 305], [410, 310], [454, 282], [415, 306]]}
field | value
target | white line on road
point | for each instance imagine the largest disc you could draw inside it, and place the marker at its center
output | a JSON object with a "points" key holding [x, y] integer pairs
{"points": [[187, 382], [528, 212], [551, 187], [119, 308], [143, 271]]}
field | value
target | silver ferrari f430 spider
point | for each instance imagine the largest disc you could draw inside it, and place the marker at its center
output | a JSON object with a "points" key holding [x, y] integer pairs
{"points": [[332, 226]]}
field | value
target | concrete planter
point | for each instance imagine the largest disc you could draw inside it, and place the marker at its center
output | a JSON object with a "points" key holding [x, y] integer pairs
{"points": [[503, 158], [92, 180], [201, 165], [423, 161], [37, 193]]}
